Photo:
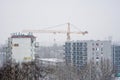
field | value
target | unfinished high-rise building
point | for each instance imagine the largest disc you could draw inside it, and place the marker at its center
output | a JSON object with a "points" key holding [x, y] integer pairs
{"points": [[116, 59], [80, 53], [22, 47]]}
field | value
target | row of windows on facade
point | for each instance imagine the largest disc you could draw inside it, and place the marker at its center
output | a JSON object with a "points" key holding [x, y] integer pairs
{"points": [[16, 44], [117, 54], [79, 49], [117, 47], [79, 46], [76, 50], [75, 45], [79, 66], [79, 43], [68, 61], [95, 58], [116, 67], [97, 44], [80, 63], [68, 51], [79, 54], [117, 63], [97, 54], [85, 49], [97, 49], [77, 58], [69, 47], [73, 51], [83, 53], [117, 58]]}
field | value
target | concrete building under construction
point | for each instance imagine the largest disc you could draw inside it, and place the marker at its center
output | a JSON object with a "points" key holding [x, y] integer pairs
{"points": [[22, 47], [79, 53]]}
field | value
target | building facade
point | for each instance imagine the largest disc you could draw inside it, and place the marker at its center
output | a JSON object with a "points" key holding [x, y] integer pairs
{"points": [[3, 54], [116, 59], [2, 58], [79, 53], [22, 47]]}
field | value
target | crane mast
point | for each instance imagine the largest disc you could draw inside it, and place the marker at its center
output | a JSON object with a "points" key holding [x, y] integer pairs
{"points": [[68, 32]]}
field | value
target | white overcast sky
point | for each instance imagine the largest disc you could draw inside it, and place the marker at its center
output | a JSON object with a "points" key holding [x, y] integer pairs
{"points": [[101, 18]]}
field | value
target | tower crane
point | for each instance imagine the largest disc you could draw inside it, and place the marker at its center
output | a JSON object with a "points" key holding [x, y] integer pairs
{"points": [[68, 32]]}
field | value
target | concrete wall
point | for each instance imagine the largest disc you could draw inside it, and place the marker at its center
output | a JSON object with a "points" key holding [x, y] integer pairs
{"points": [[22, 49]]}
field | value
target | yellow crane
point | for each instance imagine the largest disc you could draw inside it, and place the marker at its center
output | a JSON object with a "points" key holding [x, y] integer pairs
{"points": [[68, 32]]}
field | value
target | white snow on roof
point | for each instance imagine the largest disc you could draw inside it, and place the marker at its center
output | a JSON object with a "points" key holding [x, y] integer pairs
{"points": [[51, 59]]}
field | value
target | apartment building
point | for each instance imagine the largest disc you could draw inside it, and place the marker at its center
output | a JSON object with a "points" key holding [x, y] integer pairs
{"points": [[116, 59], [80, 53]]}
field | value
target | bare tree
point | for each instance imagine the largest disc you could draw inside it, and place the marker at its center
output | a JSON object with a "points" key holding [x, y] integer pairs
{"points": [[101, 71], [31, 71], [91, 71], [106, 70], [24, 71]]}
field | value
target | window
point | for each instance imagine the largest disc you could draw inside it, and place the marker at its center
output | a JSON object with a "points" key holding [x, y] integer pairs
{"points": [[81, 57], [78, 62], [97, 49], [97, 57], [81, 44], [97, 44], [81, 62], [73, 43], [16, 45], [78, 57], [85, 44], [73, 48], [97, 62], [101, 49], [11, 42], [101, 43]]}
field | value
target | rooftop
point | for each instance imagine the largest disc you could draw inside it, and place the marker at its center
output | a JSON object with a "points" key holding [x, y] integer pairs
{"points": [[51, 60], [20, 35]]}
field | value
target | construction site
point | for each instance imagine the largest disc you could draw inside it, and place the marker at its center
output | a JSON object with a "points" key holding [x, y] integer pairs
{"points": [[24, 45], [23, 49], [24, 58]]}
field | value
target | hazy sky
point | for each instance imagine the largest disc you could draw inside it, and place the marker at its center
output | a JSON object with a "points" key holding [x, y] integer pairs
{"points": [[101, 18]]}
